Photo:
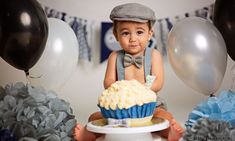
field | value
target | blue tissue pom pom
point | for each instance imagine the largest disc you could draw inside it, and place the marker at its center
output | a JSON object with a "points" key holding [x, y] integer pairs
{"points": [[216, 108], [136, 111]]}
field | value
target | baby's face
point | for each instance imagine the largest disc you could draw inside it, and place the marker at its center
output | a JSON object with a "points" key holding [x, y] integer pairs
{"points": [[133, 36]]}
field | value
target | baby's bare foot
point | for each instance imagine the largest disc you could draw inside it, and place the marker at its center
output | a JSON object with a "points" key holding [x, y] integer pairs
{"points": [[81, 134], [176, 131]]}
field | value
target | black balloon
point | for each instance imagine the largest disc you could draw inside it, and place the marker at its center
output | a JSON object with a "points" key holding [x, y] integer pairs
{"points": [[0, 38], [23, 32], [224, 20]]}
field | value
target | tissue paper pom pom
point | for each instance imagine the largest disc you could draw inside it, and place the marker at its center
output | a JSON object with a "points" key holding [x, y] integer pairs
{"points": [[32, 113], [206, 129], [220, 108], [232, 134]]}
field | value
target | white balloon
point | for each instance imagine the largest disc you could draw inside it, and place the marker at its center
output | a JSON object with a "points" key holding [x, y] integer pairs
{"points": [[197, 54], [59, 58]]}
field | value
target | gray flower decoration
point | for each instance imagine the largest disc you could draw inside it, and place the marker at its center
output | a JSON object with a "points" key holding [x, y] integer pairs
{"points": [[33, 114], [206, 129]]}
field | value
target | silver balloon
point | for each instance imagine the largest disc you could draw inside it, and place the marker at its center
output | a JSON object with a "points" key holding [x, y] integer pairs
{"points": [[197, 53]]}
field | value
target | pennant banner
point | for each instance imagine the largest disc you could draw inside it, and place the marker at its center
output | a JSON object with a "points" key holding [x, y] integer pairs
{"points": [[81, 27], [84, 30]]}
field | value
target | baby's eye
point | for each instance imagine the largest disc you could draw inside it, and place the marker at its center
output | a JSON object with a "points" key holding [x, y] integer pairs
{"points": [[125, 33], [140, 32]]}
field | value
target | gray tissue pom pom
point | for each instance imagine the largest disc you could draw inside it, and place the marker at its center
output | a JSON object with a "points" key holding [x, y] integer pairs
{"points": [[232, 134], [206, 129], [32, 112]]}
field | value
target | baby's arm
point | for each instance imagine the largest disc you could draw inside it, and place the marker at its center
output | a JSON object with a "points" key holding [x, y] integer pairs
{"points": [[110, 74], [157, 70]]}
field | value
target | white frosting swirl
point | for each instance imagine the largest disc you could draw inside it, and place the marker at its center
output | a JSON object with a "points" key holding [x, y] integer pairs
{"points": [[125, 94]]}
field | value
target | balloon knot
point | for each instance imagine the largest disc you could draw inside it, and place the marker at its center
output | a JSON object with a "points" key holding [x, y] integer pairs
{"points": [[212, 95], [26, 72]]}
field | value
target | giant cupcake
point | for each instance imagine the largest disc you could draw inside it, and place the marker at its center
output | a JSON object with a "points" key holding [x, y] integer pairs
{"points": [[129, 101]]}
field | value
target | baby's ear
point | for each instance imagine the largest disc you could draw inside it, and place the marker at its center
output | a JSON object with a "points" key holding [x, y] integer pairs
{"points": [[115, 35], [150, 33]]}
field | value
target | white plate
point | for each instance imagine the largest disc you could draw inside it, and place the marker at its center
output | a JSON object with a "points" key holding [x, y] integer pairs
{"points": [[99, 126]]}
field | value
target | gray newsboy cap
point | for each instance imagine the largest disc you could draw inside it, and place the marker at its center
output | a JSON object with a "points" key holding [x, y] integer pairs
{"points": [[133, 12]]}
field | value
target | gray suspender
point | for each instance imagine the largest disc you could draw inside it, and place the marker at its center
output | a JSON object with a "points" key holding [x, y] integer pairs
{"points": [[120, 67], [147, 62]]}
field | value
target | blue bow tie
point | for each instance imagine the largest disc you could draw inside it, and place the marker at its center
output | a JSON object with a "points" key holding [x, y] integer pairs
{"points": [[129, 60]]}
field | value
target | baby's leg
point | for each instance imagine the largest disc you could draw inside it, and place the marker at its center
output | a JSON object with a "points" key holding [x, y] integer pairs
{"points": [[95, 116], [175, 131], [162, 113], [82, 134]]}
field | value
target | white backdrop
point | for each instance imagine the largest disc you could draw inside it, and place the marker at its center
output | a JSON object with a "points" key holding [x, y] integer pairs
{"points": [[86, 82]]}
